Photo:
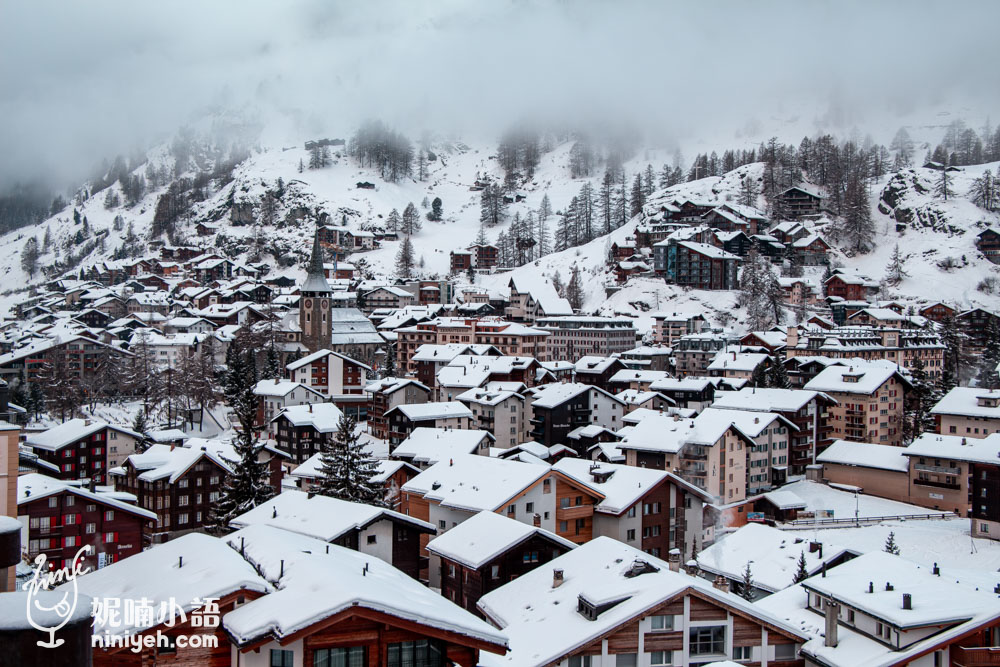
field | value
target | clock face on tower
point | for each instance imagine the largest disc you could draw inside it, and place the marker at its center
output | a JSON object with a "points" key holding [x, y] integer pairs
{"points": [[309, 303], [324, 304]]}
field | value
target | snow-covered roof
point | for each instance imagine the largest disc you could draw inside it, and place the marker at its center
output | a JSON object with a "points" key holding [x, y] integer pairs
{"points": [[737, 361], [429, 445], [773, 555], [622, 485], [185, 569], [965, 402], [681, 384], [320, 516], [628, 375], [592, 364], [32, 486], [865, 455], [708, 250], [555, 394], [307, 593], [392, 384], [481, 538], [867, 378], [323, 417], [384, 468], [432, 411], [166, 462], [767, 399], [474, 483], [64, 434], [320, 354], [278, 388], [843, 504], [529, 608], [956, 448]]}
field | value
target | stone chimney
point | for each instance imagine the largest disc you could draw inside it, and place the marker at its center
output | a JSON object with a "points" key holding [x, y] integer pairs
{"points": [[832, 611], [907, 601], [792, 337], [674, 560], [557, 577], [720, 583]]}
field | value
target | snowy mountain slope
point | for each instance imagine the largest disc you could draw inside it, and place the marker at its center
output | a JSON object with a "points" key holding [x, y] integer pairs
{"points": [[334, 190]]}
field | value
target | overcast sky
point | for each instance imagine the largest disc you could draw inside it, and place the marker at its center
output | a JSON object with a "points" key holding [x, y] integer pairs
{"points": [[85, 80]]}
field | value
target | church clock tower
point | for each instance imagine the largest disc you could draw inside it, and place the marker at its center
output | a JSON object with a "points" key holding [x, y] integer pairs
{"points": [[315, 303]]}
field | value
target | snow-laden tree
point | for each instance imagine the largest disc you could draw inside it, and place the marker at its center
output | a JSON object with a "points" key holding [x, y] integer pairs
{"points": [[405, 260], [857, 228], [985, 193], [760, 291], [895, 271], [411, 220], [747, 590], [801, 572], [943, 187], [574, 289], [346, 468], [247, 486]]}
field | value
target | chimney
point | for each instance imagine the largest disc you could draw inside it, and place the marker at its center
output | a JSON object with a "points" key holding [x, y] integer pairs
{"points": [[832, 611], [907, 601], [936, 570], [310, 407], [792, 337], [277, 381], [889, 586], [720, 583], [557, 577], [871, 587], [180, 561], [677, 417], [87, 422], [92, 485], [674, 560], [691, 567]]}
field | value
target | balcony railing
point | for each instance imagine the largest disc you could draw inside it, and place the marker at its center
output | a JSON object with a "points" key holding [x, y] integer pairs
{"points": [[975, 657], [940, 469]]}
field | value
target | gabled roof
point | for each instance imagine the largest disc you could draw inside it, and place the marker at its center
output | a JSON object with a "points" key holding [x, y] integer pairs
{"points": [[480, 539], [432, 411], [307, 594], [474, 483], [64, 434], [321, 517], [323, 417], [32, 486], [600, 571], [316, 356], [430, 445]]}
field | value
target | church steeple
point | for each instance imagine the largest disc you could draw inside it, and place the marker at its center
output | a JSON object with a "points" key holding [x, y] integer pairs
{"points": [[315, 282], [315, 303]]}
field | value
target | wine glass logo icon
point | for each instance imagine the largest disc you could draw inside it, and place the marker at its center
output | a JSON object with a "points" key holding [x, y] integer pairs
{"points": [[41, 615]]}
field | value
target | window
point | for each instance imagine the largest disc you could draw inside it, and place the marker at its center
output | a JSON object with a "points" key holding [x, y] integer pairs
{"points": [[352, 656], [631, 512], [442, 524], [850, 616], [422, 653], [494, 572], [70, 500], [529, 507], [563, 503], [110, 537], [661, 622], [109, 515], [707, 640], [742, 652], [580, 525], [54, 500], [372, 539], [984, 528], [91, 528], [69, 519], [563, 526], [661, 658], [580, 661], [626, 660], [182, 519], [630, 535], [282, 658], [784, 652]]}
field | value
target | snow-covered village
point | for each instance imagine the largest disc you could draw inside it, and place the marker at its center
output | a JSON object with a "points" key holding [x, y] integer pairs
{"points": [[499, 334]]}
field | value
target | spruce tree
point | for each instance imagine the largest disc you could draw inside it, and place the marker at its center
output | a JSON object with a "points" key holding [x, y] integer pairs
{"points": [[272, 366], [747, 591], [346, 469], [858, 227], [987, 377], [393, 222], [890, 544], [246, 487], [574, 290], [942, 188], [777, 376], [405, 260], [801, 573], [411, 220], [894, 272], [436, 210], [759, 377]]}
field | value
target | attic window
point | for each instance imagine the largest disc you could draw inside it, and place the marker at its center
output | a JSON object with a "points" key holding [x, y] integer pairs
{"points": [[852, 378], [988, 401], [591, 611]]}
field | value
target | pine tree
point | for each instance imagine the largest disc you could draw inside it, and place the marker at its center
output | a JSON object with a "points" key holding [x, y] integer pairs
{"points": [[985, 192], [272, 367], [648, 182], [411, 220], [574, 290], [405, 260], [894, 272], [942, 188], [858, 228], [777, 376], [393, 222], [246, 487], [638, 197], [545, 208], [759, 377], [481, 237], [557, 284], [747, 591], [890, 544], [801, 573], [748, 191], [436, 210], [987, 377], [346, 468], [29, 256]]}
